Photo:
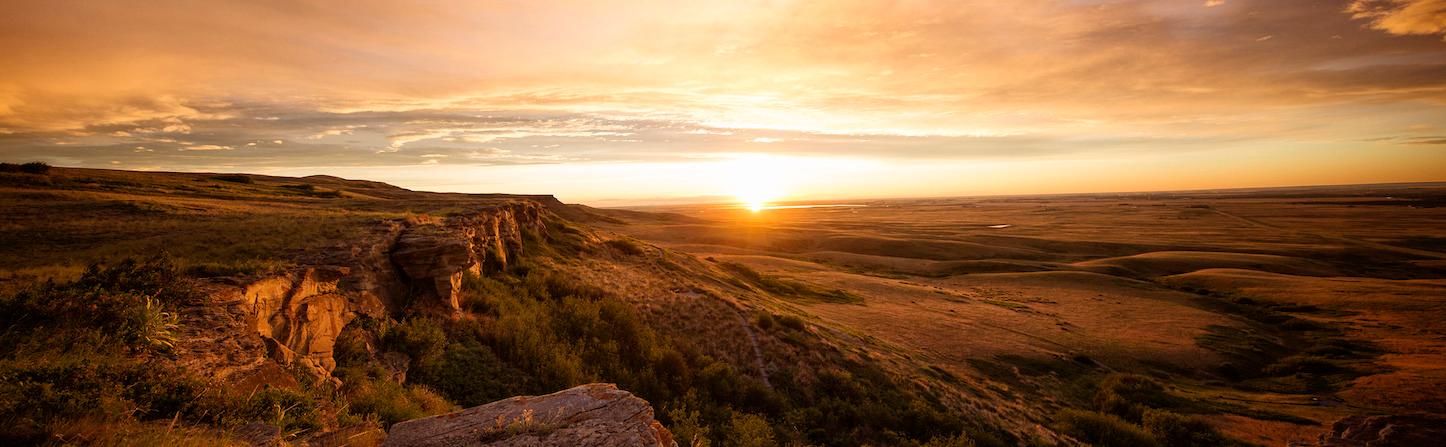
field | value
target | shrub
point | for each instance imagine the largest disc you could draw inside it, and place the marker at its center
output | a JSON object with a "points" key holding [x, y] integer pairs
{"points": [[152, 327], [750, 430], [121, 306], [1128, 395], [34, 167], [626, 246], [791, 322], [419, 337], [470, 374], [234, 178], [765, 321], [1175, 430], [687, 428], [370, 392], [1102, 430]]}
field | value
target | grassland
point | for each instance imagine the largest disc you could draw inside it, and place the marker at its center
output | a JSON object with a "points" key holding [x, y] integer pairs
{"points": [[1266, 314]]}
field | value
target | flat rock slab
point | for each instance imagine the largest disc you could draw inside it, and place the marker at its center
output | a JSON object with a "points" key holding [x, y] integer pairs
{"points": [[595, 415]]}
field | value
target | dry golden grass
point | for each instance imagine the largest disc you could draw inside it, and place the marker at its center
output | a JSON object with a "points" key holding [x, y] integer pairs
{"points": [[216, 223], [1132, 282]]}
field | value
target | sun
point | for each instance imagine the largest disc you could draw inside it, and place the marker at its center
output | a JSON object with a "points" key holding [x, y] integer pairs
{"points": [[757, 180]]}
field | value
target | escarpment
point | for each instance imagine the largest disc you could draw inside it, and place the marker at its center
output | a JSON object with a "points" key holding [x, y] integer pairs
{"points": [[398, 268]]}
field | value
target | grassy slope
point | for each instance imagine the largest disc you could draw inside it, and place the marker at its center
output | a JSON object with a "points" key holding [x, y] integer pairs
{"points": [[1001, 300], [736, 350]]}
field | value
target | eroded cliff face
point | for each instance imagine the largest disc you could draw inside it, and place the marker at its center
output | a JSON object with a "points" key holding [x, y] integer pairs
{"points": [[254, 326], [433, 256]]}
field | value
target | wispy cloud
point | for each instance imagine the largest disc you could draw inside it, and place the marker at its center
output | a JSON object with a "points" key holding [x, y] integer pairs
{"points": [[590, 83], [1402, 17]]}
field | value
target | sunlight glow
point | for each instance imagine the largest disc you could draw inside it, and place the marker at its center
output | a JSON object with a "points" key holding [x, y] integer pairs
{"points": [[756, 180]]}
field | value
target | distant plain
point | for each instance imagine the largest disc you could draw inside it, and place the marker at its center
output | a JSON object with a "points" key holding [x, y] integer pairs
{"points": [[1284, 308]]}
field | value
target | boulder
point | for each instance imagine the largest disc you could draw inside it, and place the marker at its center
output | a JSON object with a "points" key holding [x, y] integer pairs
{"points": [[595, 415]]}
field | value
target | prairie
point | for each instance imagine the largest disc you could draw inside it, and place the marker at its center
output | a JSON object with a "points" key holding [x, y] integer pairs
{"points": [[1275, 312]]}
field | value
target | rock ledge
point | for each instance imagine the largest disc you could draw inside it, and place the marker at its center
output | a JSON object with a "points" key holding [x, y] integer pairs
{"points": [[597, 415]]}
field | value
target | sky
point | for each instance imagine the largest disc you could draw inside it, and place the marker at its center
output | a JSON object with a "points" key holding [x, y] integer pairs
{"points": [[652, 101]]}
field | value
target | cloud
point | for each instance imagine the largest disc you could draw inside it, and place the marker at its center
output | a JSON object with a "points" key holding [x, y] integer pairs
{"points": [[1402, 17], [205, 147], [588, 82]]}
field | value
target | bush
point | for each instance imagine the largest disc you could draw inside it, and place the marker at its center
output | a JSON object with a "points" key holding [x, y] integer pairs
{"points": [[687, 428], [626, 246], [419, 337], [371, 393], [765, 321], [34, 167], [1175, 430], [470, 374], [234, 178], [1128, 395], [750, 430], [1102, 430], [125, 306], [791, 322]]}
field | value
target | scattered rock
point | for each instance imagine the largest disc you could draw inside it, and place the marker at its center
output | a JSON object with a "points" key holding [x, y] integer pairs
{"points": [[596, 414]]}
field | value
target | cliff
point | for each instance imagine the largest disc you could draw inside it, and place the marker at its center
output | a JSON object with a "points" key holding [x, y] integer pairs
{"points": [[400, 267]]}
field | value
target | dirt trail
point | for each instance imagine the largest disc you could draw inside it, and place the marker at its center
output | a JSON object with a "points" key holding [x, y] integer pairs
{"points": [[753, 340]]}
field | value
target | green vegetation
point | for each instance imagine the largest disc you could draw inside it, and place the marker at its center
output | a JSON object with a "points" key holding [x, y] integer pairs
{"points": [[1134, 410], [626, 246], [1102, 430], [1176, 430], [788, 288], [85, 362], [535, 331]]}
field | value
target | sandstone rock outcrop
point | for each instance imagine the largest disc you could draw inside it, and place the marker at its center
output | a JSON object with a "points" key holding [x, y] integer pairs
{"points": [[433, 256], [434, 259], [596, 415], [396, 268]]}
